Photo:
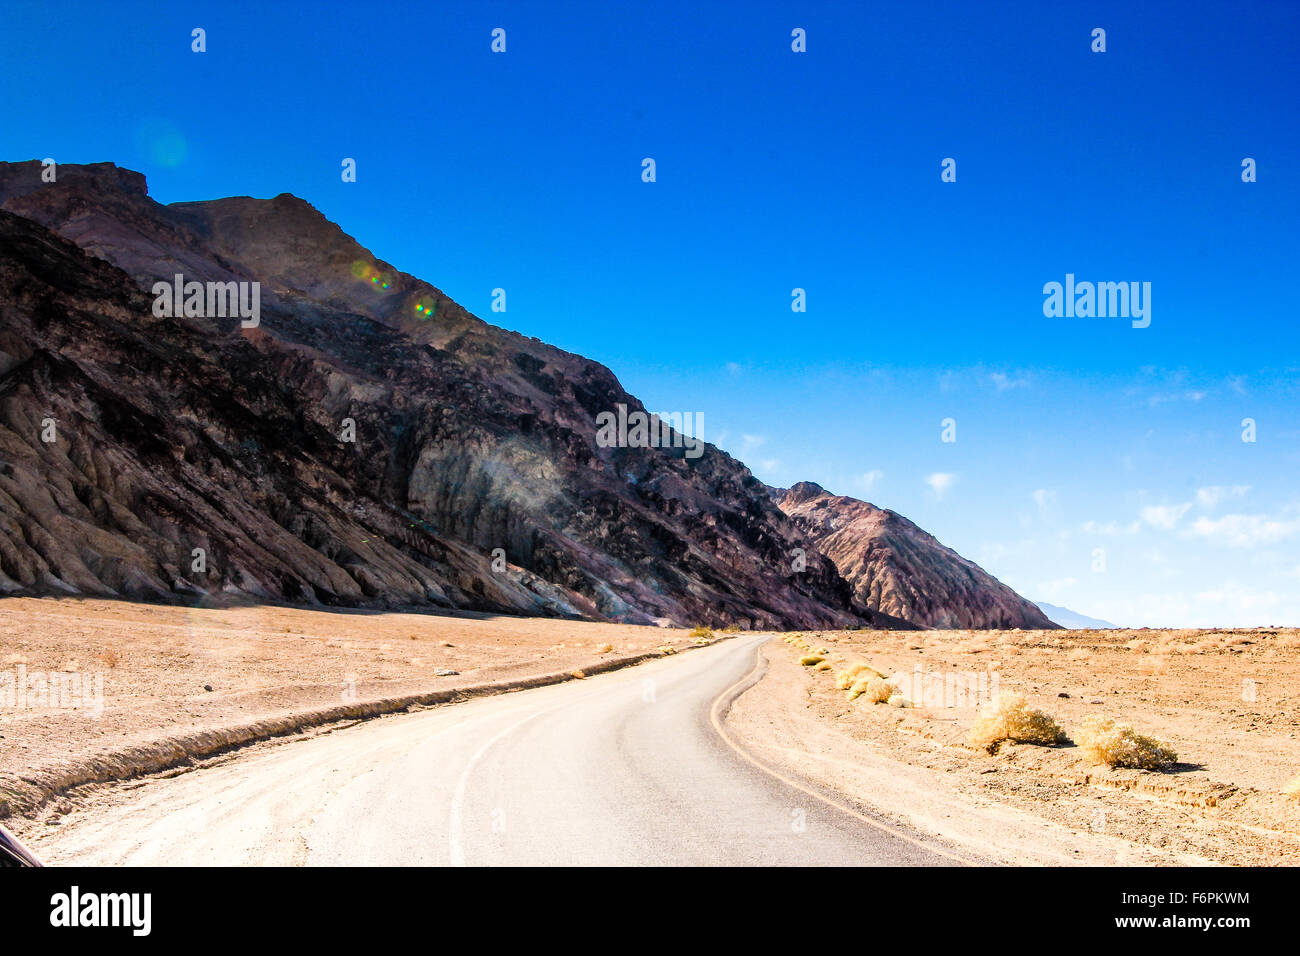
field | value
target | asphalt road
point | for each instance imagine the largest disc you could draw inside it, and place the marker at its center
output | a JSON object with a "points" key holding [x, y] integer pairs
{"points": [[625, 768]]}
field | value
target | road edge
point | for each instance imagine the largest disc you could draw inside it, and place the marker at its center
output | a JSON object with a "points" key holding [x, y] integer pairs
{"points": [[718, 716], [24, 795]]}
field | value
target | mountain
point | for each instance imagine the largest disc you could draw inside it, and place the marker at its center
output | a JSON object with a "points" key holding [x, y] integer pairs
{"points": [[898, 569], [128, 440], [1073, 620]]}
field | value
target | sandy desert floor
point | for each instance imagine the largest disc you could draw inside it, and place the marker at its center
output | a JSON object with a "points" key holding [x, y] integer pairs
{"points": [[1228, 701], [193, 674]]}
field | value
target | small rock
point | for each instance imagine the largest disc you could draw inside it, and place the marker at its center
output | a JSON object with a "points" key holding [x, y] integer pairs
{"points": [[207, 687], [445, 672], [1063, 694]]}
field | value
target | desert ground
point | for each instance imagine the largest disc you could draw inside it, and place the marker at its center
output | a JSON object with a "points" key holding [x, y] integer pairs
{"points": [[181, 682], [166, 689], [1227, 701]]}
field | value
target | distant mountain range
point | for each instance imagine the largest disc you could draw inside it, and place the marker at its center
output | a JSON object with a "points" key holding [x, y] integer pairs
{"points": [[1073, 619], [369, 443], [899, 569]]}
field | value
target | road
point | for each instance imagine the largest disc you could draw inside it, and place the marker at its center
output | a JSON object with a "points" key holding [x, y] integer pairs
{"points": [[626, 768]]}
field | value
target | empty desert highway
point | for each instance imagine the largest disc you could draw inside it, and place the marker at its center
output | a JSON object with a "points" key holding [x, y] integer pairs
{"points": [[625, 768]]}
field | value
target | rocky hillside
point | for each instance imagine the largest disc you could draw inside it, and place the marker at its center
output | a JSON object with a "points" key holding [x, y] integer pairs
{"points": [[127, 441], [898, 569]]}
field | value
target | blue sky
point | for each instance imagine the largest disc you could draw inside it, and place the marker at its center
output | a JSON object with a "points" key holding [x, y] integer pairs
{"points": [[816, 170]]}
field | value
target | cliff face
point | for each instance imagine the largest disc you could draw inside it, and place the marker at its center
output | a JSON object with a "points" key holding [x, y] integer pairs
{"points": [[897, 568], [171, 434]]}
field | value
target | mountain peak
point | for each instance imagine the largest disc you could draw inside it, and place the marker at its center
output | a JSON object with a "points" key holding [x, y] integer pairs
{"points": [[19, 179]]}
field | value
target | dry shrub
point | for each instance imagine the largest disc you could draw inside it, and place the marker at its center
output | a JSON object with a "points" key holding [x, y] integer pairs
{"points": [[1106, 740], [580, 675], [1292, 789], [1153, 666], [667, 649], [110, 657], [700, 632], [604, 648], [1009, 717], [731, 629], [808, 660], [875, 689], [823, 666], [846, 678]]}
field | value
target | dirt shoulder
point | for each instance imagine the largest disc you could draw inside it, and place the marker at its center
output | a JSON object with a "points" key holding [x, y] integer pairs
{"points": [[97, 691], [1227, 701]]}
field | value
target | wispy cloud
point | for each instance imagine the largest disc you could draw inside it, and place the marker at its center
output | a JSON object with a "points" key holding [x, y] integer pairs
{"points": [[1245, 531], [941, 482], [1211, 496], [1165, 517], [1004, 382], [868, 480]]}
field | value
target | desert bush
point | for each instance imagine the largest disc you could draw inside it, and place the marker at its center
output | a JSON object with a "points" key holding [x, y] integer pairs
{"points": [[823, 666], [875, 689], [700, 632], [1009, 717], [604, 648], [847, 677], [808, 660], [1106, 740]]}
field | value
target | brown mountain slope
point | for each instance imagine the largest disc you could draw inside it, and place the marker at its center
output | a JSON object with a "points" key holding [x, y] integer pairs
{"points": [[175, 434], [897, 568]]}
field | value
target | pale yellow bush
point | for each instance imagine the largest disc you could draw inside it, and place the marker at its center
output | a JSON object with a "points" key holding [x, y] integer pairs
{"points": [[1106, 740], [700, 632], [808, 660], [1292, 789], [875, 689], [846, 678], [1009, 717], [823, 666]]}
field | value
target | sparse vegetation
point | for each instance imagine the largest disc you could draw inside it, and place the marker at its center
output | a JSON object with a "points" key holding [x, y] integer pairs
{"points": [[1108, 741], [808, 660], [700, 632], [1292, 789], [1009, 717], [846, 678], [875, 689]]}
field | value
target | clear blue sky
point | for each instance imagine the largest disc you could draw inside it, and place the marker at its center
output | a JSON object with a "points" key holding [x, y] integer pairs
{"points": [[817, 170]]}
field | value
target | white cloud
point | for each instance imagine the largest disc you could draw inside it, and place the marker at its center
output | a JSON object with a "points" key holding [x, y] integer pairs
{"points": [[1004, 382], [1164, 516], [940, 482], [1210, 497], [1237, 599], [1053, 588], [1244, 531], [1045, 500], [867, 481], [1189, 396], [1111, 529]]}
